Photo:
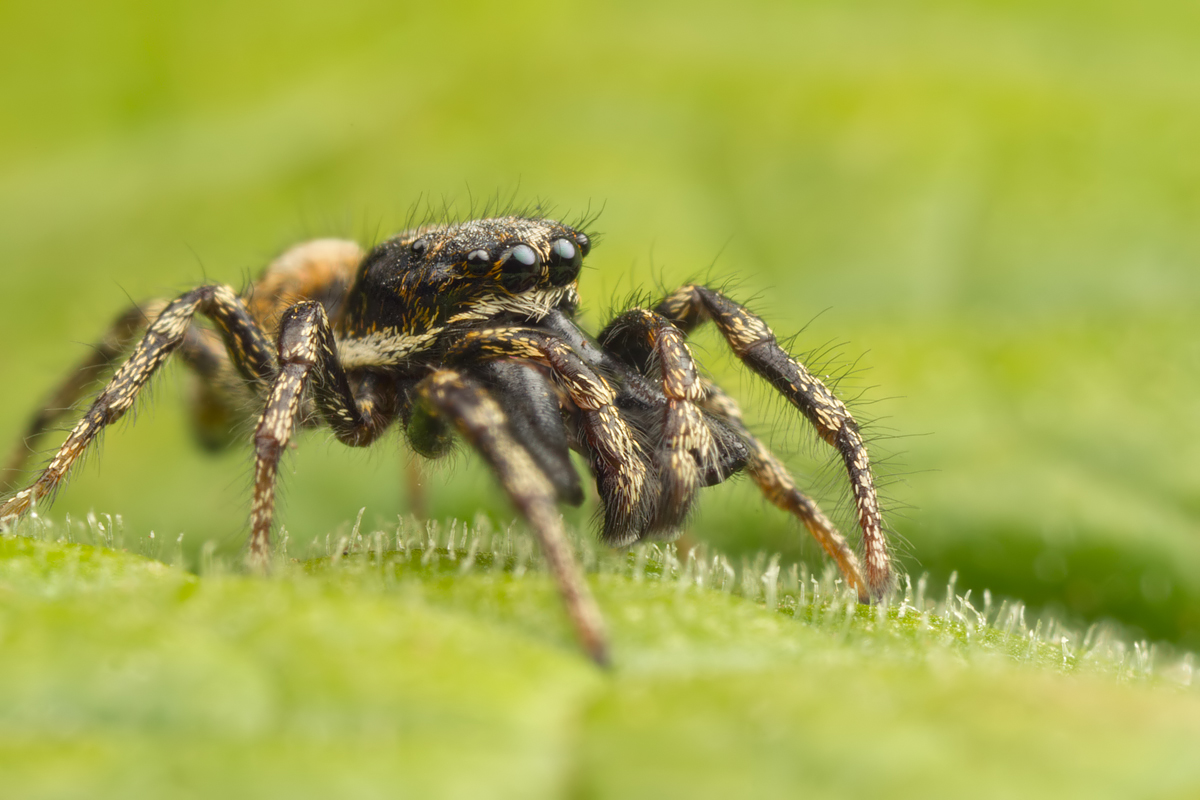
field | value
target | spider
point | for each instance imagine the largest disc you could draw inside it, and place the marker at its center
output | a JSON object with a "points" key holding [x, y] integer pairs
{"points": [[467, 329]]}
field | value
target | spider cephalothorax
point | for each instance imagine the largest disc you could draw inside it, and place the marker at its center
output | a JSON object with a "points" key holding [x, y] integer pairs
{"points": [[435, 276], [468, 329]]}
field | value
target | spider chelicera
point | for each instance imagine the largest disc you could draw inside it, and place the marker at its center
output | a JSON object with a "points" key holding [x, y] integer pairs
{"points": [[468, 328]]}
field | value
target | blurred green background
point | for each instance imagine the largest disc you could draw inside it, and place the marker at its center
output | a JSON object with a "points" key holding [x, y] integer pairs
{"points": [[982, 215]]}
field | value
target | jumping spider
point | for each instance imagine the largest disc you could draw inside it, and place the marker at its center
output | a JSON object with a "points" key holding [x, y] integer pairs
{"points": [[468, 329]]}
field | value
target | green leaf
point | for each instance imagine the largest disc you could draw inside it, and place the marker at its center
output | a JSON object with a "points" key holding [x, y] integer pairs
{"points": [[430, 664]]}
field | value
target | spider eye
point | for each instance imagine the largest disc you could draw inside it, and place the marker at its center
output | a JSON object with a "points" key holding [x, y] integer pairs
{"points": [[479, 262], [565, 260], [519, 268], [585, 244], [419, 247]]}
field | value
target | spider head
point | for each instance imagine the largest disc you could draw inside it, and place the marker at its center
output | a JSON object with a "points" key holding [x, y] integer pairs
{"points": [[429, 275]]}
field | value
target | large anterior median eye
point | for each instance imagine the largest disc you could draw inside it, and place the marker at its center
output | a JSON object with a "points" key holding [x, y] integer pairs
{"points": [[519, 268], [565, 260]]}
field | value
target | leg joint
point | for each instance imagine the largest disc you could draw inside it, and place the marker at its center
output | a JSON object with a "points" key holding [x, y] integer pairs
{"points": [[267, 446]]}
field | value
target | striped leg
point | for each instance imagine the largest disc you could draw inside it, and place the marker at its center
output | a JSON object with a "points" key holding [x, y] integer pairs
{"points": [[754, 343], [306, 345], [103, 355], [460, 401], [619, 460], [163, 337], [777, 485], [688, 454]]}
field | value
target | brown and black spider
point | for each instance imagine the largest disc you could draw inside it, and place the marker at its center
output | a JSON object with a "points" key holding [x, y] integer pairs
{"points": [[469, 328]]}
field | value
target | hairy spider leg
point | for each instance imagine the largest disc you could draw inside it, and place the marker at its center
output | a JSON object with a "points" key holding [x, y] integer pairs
{"points": [[323, 270], [220, 398], [307, 345], [645, 339], [243, 338], [778, 486], [753, 342], [619, 460], [687, 456], [479, 419], [103, 354]]}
